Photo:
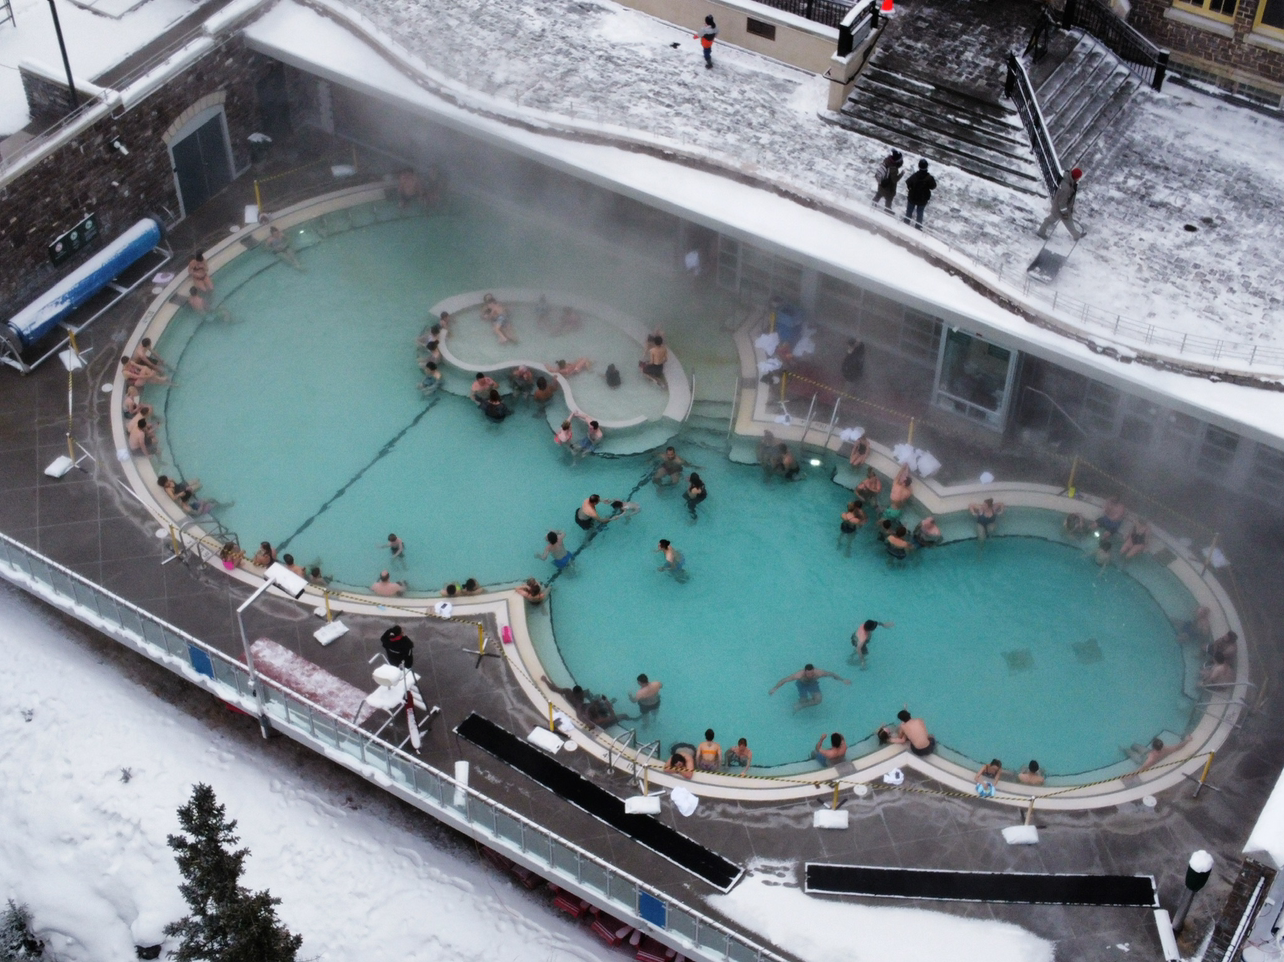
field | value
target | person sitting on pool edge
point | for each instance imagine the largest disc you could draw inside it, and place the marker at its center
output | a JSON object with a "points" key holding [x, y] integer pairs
{"points": [[708, 754], [740, 755], [835, 753], [652, 366], [386, 587], [911, 731], [1112, 515], [987, 776]]}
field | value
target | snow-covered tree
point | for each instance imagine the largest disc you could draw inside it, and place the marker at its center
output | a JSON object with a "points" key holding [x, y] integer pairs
{"points": [[228, 922], [17, 942]]}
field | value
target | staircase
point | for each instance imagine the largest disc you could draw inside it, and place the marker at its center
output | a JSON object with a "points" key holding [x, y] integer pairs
{"points": [[1083, 96], [922, 118]]}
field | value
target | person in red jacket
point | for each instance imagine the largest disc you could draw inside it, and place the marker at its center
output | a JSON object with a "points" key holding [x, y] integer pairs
{"points": [[705, 36]]}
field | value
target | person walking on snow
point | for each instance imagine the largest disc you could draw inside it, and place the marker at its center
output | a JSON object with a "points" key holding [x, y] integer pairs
{"points": [[889, 175], [918, 191], [705, 36], [1063, 208]]}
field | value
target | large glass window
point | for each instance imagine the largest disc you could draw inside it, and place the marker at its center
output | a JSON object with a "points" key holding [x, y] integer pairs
{"points": [[1270, 13], [975, 378], [1222, 9]]}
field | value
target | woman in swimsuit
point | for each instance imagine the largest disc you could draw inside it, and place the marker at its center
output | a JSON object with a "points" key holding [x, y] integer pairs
{"points": [[897, 546], [1136, 543], [199, 272], [902, 488], [869, 489], [265, 555], [708, 756], [860, 452], [532, 591], [927, 533], [849, 523], [986, 514], [987, 776], [694, 494]]}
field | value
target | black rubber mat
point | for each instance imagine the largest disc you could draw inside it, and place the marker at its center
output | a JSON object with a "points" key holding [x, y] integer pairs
{"points": [[598, 802], [901, 883]]}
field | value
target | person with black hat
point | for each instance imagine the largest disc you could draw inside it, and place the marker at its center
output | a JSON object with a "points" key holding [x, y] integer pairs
{"points": [[706, 35], [399, 649], [889, 175], [1063, 207], [918, 191]]}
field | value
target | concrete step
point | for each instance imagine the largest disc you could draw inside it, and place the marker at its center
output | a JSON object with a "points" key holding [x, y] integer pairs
{"points": [[981, 114], [1083, 95], [1069, 100], [714, 425], [1111, 101], [712, 409]]}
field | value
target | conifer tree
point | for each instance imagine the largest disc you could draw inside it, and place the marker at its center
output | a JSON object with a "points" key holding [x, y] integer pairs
{"points": [[228, 922], [17, 942]]}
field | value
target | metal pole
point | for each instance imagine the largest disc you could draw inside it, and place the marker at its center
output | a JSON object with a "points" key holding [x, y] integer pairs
{"points": [[1074, 467], [1203, 777], [264, 725], [66, 64], [1209, 557]]}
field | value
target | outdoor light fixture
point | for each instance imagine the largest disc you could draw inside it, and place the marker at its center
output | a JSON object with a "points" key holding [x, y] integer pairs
{"points": [[814, 462], [285, 579]]}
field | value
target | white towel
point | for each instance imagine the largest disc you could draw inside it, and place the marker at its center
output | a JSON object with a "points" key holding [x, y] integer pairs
{"points": [[683, 800], [784, 419], [851, 434], [905, 454], [767, 343], [987, 477], [442, 609], [769, 365], [927, 464], [804, 346], [1216, 558], [894, 777]]}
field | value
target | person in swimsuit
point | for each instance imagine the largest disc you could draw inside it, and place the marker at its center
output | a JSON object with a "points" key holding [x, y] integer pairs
{"points": [[987, 776], [669, 470], [143, 354], [927, 533], [565, 369], [898, 548], [521, 381], [1227, 646], [1076, 525], [695, 493], [483, 384], [557, 548], [386, 587], [564, 435], [1220, 672], [675, 562], [496, 314], [807, 682], [575, 696], [1031, 775], [433, 334], [647, 697], [682, 761], [586, 515], [860, 452], [869, 489], [199, 272], [432, 379], [740, 755], [787, 464], [624, 509], [532, 591], [652, 366], [612, 375], [1158, 752], [592, 437], [396, 547], [1104, 547], [832, 755], [850, 522], [914, 731], [986, 514], [602, 713], [861, 637], [708, 754], [1136, 543], [494, 408], [902, 488], [544, 392], [264, 556], [231, 555], [1112, 515], [279, 245]]}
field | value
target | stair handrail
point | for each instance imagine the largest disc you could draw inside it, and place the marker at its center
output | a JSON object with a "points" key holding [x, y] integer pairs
{"points": [[1020, 91], [1144, 58]]}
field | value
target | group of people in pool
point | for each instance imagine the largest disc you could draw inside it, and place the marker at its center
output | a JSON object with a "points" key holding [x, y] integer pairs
{"points": [[1107, 529]]}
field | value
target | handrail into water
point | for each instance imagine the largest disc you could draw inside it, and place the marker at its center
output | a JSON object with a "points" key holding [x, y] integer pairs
{"points": [[807, 423], [622, 742], [404, 775], [1064, 413], [833, 419], [735, 404]]}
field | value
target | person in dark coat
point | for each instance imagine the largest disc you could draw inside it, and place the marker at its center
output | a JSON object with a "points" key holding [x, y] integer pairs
{"points": [[1063, 207], [918, 190], [399, 649], [854, 360], [889, 175]]}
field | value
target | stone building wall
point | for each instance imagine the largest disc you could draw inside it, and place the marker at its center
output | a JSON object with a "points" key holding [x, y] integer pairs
{"points": [[87, 175], [1233, 58]]}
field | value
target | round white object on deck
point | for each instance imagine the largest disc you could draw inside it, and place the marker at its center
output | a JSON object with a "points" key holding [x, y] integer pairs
{"points": [[1150, 801], [108, 387], [162, 532], [570, 746], [861, 790]]}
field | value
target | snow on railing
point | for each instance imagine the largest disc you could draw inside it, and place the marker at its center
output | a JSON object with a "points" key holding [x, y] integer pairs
{"points": [[498, 826]]}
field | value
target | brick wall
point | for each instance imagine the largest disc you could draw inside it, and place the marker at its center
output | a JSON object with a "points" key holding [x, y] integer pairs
{"points": [[47, 100], [87, 175], [1231, 53]]}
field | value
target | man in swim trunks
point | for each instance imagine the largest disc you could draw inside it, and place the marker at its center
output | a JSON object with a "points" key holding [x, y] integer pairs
{"points": [[914, 731], [740, 755], [386, 587], [575, 696], [807, 682], [833, 754], [1158, 751], [708, 754], [647, 697], [396, 546], [557, 548], [592, 437], [544, 390], [674, 560], [1112, 515], [656, 356], [862, 635], [586, 515], [669, 470]]}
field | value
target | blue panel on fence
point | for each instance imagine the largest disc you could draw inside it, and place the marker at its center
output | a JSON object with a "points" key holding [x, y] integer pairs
{"points": [[653, 910], [200, 661]]}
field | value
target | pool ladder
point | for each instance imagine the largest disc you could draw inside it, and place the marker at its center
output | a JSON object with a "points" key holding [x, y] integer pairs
{"points": [[616, 748]]}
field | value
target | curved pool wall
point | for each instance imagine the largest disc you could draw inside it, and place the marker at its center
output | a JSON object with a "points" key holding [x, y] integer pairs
{"points": [[1110, 787]]}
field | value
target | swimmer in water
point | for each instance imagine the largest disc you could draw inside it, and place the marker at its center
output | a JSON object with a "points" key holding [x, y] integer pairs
{"points": [[862, 635], [396, 546], [1032, 775], [849, 523], [586, 515], [695, 493], [544, 392], [898, 546], [986, 514], [556, 547], [483, 384], [807, 682], [564, 434], [787, 464], [669, 470], [532, 591], [279, 245], [927, 533], [562, 367], [625, 509], [682, 761], [987, 776], [740, 755], [494, 408], [432, 379], [675, 563], [612, 375], [521, 381], [833, 754], [496, 314]]}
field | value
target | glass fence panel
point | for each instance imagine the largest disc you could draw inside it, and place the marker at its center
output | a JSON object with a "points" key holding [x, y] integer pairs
{"points": [[224, 672], [683, 923], [177, 646], [713, 940], [152, 633], [350, 743], [39, 570], [377, 755], [129, 620], [296, 713], [624, 891], [61, 583], [481, 813], [429, 784], [86, 596], [19, 559], [593, 876], [537, 846], [402, 770], [108, 610], [325, 730], [508, 827], [566, 859], [738, 951]]}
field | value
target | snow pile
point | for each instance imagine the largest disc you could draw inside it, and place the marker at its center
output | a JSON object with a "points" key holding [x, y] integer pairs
{"points": [[296, 673], [85, 848], [821, 930]]}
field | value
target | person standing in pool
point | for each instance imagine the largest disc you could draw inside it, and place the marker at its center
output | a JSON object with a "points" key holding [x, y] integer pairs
{"points": [[557, 548], [494, 408], [695, 493], [397, 548], [586, 515], [708, 754], [986, 514], [483, 384], [669, 470], [862, 635], [835, 753], [807, 682], [496, 314], [851, 521], [869, 489], [911, 731], [544, 392], [592, 437], [386, 587], [647, 697], [652, 367], [740, 755], [675, 562]]}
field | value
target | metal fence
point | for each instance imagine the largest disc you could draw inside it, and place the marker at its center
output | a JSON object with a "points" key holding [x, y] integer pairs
{"points": [[1142, 57], [1020, 91], [828, 12], [493, 824]]}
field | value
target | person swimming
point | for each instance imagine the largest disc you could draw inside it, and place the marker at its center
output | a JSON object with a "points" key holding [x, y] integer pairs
{"points": [[695, 494], [850, 522], [674, 561], [557, 548], [612, 376]]}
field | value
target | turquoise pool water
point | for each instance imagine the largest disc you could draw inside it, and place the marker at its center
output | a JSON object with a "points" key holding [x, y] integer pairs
{"points": [[304, 410]]}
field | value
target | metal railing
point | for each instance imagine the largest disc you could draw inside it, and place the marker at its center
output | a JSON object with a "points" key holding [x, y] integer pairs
{"points": [[1141, 56], [1020, 91], [406, 776], [828, 12]]}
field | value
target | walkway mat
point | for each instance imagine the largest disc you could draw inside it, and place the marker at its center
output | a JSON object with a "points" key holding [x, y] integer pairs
{"points": [[912, 883], [598, 802]]}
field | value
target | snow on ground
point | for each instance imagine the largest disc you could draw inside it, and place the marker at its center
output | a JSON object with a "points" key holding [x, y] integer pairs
{"points": [[94, 43], [599, 62], [86, 850], [824, 930]]}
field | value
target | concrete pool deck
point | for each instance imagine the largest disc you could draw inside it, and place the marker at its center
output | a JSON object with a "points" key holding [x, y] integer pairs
{"points": [[87, 522]]}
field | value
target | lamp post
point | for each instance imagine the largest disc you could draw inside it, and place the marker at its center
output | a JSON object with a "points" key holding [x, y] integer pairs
{"points": [[66, 64], [281, 577], [1197, 872]]}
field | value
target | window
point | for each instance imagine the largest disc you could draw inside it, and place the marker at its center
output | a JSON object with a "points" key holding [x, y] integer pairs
{"points": [[1221, 9], [760, 29], [1270, 14], [1217, 451]]}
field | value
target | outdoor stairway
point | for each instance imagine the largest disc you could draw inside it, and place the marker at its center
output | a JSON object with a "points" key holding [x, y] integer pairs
{"points": [[1083, 96], [925, 119]]}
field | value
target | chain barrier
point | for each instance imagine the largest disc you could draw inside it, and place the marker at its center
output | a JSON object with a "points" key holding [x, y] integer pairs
{"points": [[851, 397]]}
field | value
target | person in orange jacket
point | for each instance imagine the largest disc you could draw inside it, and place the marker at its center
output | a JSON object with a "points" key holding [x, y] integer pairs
{"points": [[705, 36]]}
